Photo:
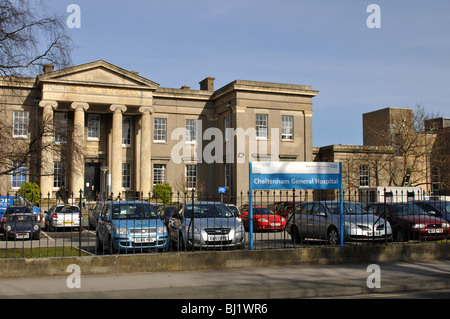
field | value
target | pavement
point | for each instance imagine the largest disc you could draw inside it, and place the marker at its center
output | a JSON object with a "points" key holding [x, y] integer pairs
{"points": [[287, 282]]}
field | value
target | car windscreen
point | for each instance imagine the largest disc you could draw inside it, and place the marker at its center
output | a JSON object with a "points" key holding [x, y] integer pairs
{"points": [[350, 208], [133, 211], [20, 218], [261, 211], [15, 210], [407, 209], [67, 209], [207, 211]]}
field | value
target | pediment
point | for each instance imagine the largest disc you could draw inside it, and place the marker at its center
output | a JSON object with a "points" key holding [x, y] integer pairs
{"points": [[98, 73]]}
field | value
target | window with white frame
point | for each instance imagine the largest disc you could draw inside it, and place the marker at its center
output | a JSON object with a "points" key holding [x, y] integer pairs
{"points": [[191, 131], [159, 174], [126, 175], [60, 124], [20, 124], [93, 126], [126, 131], [59, 174], [364, 176], [19, 175], [159, 130], [191, 176], [287, 127], [261, 126]]}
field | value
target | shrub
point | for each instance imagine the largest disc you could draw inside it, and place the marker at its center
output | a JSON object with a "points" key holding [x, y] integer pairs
{"points": [[163, 193], [31, 192]]}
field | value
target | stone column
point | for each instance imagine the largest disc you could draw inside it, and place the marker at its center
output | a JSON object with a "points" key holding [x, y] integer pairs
{"points": [[46, 179], [308, 136], [78, 149], [145, 151], [116, 149]]}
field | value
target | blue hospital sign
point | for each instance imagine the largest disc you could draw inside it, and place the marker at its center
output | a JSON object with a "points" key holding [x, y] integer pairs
{"points": [[295, 175], [298, 175]]}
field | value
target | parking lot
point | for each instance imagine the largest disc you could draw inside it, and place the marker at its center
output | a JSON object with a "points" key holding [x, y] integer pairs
{"points": [[71, 238], [275, 226]]}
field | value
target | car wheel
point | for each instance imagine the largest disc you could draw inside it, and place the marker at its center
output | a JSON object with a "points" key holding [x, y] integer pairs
{"points": [[295, 234], [333, 236], [98, 244], [181, 245], [401, 235]]}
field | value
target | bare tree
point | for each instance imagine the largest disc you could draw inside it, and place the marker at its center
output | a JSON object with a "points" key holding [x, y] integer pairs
{"points": [[408, 164], [30, 37]]}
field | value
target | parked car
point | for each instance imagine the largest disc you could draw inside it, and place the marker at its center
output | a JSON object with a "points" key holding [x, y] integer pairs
{"points": [[283, 208], [166, 214], [18, 201], [410, 221], [233, 208], [321, 220], [205, 224], [14, 210], [94, 213], [435, 208], [22, 226], [130, 225], [62, 216], [263, 219]]}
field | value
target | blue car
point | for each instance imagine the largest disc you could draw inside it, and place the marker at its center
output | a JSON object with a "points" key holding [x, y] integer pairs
{"points": [[130, 225], [21, 226]]}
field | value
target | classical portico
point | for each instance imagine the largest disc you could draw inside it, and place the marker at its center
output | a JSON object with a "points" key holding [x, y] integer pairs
{"points": [[102, 90]]}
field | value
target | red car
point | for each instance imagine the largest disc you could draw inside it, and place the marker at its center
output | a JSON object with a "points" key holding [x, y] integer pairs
{"points": [[263, 219], [282, 208]]}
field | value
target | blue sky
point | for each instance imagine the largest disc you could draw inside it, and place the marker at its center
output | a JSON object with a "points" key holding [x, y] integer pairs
{"points": [[323, 43]]}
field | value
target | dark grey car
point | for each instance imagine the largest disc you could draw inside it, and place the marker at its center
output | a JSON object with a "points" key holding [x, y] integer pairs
{"points": [[321, 220]]}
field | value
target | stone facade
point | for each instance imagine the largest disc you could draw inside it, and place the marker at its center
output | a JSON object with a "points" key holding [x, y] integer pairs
{"points": [[114, 130]]}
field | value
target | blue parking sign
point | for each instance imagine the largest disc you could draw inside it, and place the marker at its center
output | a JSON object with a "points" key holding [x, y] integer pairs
{"points": [[222, 190]]}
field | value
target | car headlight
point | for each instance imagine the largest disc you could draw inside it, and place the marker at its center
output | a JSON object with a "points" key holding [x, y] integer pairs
{"points": [[36, 227], [8, 228], [263, 220], [418, 226], [121, 231], [190, 228], [350, 225], [445, 225], [161, 230]]}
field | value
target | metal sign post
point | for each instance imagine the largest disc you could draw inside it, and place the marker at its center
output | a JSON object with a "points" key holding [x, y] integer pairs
{"points": [[295, 175]]}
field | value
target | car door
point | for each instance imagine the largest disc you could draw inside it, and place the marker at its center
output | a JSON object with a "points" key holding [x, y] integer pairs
{"points": [[102, 227], [303, 219], [319, 221], [175, 224]]}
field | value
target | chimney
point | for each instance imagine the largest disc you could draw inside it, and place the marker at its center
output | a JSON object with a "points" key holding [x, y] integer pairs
{"points": [[207, 84], [48, 68]]}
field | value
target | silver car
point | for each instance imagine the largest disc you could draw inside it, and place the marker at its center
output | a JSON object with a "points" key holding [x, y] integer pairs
{"points": [[205, 224], [63, 215], [321, 220]]}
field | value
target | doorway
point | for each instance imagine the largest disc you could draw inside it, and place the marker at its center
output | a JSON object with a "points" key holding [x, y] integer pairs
{"points": [[91, 181]]}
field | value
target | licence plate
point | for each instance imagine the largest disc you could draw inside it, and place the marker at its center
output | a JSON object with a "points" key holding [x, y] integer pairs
{"points": [[275, 224], [140, 240], [377, 233], [67, 223], [22, 236], [435, 231], [217, 237]]}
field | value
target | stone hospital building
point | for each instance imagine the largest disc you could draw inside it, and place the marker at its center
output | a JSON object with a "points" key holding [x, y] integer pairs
{"points": [[110, 131]]}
